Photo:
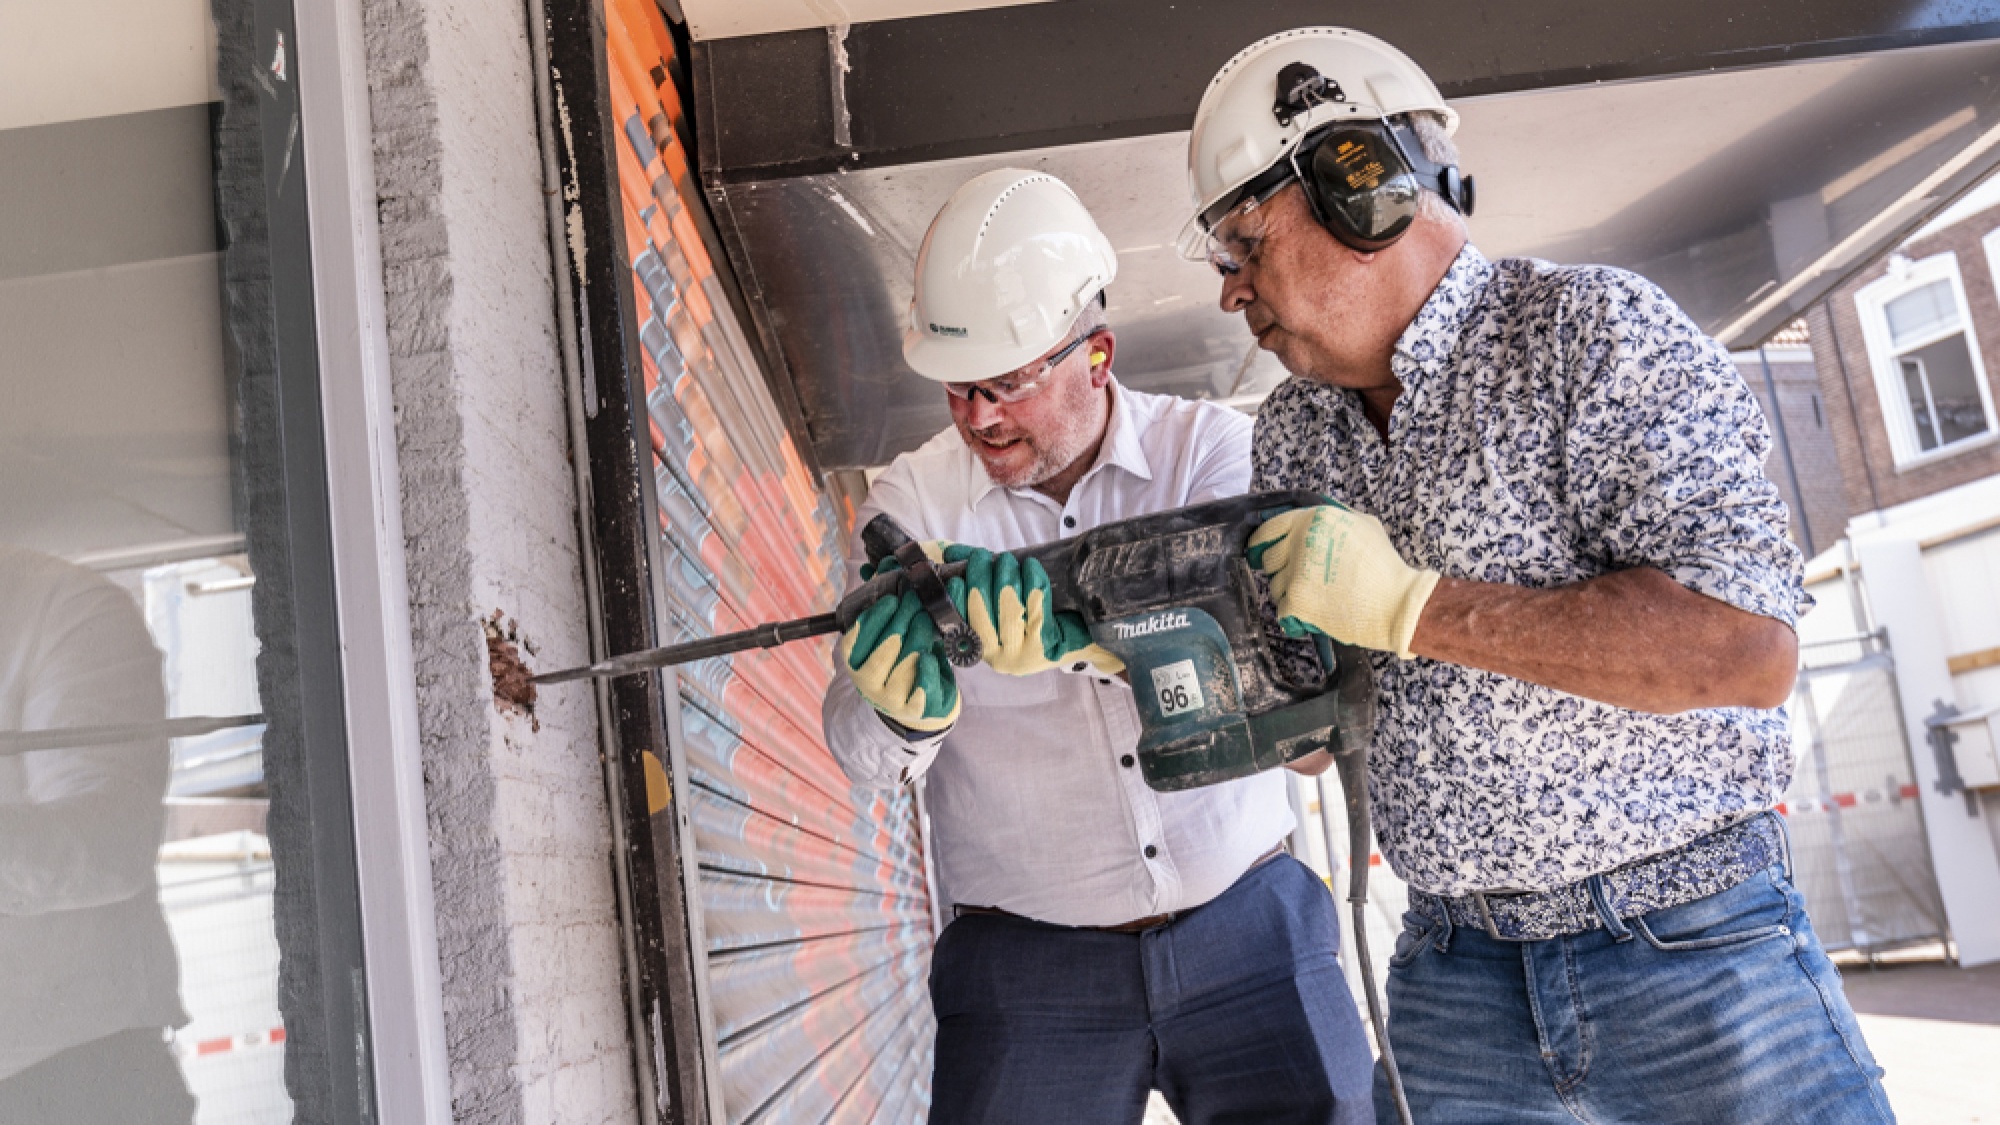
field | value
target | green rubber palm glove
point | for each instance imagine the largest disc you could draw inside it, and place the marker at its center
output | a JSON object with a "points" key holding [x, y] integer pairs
{"points": [[1006, 601], [1334, 571], [893, 656]]}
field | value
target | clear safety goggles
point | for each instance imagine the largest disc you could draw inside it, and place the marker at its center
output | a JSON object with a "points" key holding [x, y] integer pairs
{"points": [[1230, 234], [1015, 386]]}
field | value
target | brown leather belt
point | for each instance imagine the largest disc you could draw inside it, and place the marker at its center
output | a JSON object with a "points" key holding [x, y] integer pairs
{"points": [[1135, 926]]}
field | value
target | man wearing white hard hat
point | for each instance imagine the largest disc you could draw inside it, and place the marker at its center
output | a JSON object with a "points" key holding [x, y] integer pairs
{"points": [[1554, 529], [1106, 939]]}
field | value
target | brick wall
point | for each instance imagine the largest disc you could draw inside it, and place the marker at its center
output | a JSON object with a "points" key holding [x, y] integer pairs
{"points": [[1818, 520], [528, 940], [1860, 433]]}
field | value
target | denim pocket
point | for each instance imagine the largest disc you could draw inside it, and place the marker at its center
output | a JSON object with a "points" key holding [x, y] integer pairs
{"points": [[1752, 910], [1418, 936]]}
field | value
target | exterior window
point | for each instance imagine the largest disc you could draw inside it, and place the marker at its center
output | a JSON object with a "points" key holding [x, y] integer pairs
{"points": [[179, 914], [1921, 346], [1991, 243]]}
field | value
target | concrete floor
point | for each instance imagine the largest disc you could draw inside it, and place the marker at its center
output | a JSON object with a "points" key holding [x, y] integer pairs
{"points": [[1935, 1028]]}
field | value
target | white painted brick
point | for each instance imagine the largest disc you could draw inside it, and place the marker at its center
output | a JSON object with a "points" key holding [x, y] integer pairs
{"points": [[534, 1005]]}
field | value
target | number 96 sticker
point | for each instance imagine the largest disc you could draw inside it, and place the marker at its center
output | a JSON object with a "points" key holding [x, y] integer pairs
{"points": [[1177, 688]]}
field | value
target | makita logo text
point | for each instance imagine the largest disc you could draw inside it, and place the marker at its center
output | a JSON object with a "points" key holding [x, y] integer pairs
{"points": [[1161, 623]]}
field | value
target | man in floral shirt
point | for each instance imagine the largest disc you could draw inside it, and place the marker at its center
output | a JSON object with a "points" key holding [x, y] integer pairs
{"points": [[1577, 580]]}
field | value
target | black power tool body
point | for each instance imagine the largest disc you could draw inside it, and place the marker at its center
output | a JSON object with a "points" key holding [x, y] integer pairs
{"points": [[1221, 692]]}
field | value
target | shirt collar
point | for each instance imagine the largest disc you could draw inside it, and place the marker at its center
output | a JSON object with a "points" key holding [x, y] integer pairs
{"points": [[1121, 448], [1427, 345]]}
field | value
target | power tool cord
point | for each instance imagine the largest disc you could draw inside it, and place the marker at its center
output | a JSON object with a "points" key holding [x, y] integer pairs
{"points": [[1353, 767]]}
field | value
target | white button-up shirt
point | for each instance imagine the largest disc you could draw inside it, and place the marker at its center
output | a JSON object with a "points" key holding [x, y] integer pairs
{"points": [[84, 947], [1037, 806]]}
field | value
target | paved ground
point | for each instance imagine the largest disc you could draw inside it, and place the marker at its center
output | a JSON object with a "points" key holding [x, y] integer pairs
{"points": [[1936, 1029]]}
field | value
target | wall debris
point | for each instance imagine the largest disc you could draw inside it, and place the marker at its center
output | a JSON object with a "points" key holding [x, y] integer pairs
{"points": [[513, 681]]}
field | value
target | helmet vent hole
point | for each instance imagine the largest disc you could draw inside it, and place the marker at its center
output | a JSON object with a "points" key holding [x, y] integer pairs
{"points": [[993, 212]]}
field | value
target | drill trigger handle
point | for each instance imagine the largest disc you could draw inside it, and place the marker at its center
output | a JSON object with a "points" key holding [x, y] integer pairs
{"points": [[884, 537], [1265, 514]]}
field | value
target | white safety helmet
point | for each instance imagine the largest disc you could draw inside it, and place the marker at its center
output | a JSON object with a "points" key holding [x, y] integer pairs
{"points": [[1007, 265], [1241, 132]]}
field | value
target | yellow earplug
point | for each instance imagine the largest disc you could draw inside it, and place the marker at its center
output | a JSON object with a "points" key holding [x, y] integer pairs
{"points": [[1096, 358]]}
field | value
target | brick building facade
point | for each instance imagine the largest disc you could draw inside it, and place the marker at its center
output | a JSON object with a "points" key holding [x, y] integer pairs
{"points": [[1804, 463], [1907, 354]]}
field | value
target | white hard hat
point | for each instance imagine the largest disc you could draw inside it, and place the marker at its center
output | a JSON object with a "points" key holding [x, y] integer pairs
{"points": [[1243, 128], [1007, 265]]}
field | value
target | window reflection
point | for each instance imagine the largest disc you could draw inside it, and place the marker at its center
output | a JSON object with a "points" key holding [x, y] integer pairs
{"points": [[138, 959], [92, 987]]}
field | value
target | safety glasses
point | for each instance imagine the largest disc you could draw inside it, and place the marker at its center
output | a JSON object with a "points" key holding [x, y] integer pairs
{"points": [[1236, 233], [1015, 386]]}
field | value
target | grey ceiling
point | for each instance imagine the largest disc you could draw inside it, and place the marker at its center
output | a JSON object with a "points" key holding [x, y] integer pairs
{"points": [[1745, 192]]}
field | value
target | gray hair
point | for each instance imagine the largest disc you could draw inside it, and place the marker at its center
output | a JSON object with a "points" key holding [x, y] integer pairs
{"points": [[1091, 318], [1438, 148]]}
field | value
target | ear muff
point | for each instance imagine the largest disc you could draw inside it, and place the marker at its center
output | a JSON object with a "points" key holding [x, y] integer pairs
{"points": [[1365, 182], [1361, 188], [1460, 193]]}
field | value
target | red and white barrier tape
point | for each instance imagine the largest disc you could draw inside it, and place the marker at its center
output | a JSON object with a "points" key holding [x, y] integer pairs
{"points": [[222, 1045], [1848, 800]]}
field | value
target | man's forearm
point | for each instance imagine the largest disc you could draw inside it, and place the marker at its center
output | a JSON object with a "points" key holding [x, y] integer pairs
{"points": [[871, 755], [1632, 638]]}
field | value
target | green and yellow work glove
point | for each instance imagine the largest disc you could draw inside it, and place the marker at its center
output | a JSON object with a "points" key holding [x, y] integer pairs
{"points": [[1006, 601], [895, 660], [1334, 571]]}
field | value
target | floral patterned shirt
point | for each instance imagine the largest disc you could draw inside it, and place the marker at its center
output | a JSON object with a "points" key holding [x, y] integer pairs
{"points": [[1556, 423]]}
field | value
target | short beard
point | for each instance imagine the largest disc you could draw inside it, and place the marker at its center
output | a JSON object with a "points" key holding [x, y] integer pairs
{"points": [[1057, 449]]}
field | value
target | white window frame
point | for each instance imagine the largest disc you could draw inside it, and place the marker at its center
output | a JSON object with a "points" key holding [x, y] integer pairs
{"points": [[1992, 245], [1871, 303], [410, 1068]]}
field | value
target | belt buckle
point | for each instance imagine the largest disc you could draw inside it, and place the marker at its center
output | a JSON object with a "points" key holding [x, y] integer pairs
{"points": [[1486, 913]]}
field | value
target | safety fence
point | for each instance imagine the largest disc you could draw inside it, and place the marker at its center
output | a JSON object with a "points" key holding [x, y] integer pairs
{"points": [[813, 902]]}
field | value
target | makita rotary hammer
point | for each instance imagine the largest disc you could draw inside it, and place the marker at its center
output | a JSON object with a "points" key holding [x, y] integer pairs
{"points": [[1222, 692]]}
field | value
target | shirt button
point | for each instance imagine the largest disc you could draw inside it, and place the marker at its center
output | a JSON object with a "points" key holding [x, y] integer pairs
{"points": [[1079, 666], [1069, 521], [1104, 680], [1128, 761], [1151, 851]]}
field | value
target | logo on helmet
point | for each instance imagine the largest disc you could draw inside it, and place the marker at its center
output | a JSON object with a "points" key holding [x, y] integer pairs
{"points": [[948, 330]]}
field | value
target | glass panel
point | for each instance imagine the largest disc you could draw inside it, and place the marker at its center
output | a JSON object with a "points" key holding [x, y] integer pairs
{"points": [[1953, 386], [1920, 404], [1922, 312], [155, 764]]}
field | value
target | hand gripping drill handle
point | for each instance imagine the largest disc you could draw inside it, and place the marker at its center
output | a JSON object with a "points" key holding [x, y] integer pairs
{"points": [[884, 538]]}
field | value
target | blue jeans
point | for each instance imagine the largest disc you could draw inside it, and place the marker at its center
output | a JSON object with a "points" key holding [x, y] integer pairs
{"points": [[1722, 1010], [1235, 1012]]}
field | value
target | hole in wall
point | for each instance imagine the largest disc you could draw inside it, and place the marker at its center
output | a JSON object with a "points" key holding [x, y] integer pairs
{"points": [[513, 681]]}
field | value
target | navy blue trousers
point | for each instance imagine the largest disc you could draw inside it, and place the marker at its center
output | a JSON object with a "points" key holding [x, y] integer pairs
{"points": [[1235, 1012]]}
